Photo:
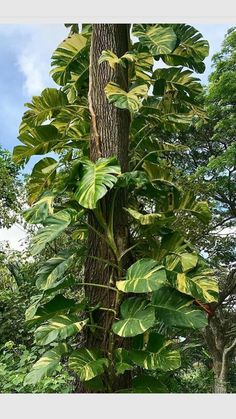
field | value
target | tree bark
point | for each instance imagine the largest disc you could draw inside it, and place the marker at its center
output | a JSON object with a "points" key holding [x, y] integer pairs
{"points": [[109, 137]]}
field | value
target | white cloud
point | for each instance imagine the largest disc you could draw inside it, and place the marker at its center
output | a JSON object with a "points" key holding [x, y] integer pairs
{"points": [[34, 56], [15, 236], [33, 72]]}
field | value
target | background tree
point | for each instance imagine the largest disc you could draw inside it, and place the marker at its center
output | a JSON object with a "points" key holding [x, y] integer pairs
{"points": [[210, 169]]}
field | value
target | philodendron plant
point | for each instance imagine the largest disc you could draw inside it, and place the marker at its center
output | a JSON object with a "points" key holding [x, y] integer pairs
{"points": [[164, 286]]}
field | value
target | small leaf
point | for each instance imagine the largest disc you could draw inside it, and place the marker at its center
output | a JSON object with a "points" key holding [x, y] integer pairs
{"points": [[138, 317], [46, 365], [54, 226], [58, 328], [87, 363], [51, 273], [145, 275], [131, 100]]}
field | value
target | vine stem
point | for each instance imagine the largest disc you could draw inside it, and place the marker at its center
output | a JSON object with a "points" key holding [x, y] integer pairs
{"points": [[92, 284]]}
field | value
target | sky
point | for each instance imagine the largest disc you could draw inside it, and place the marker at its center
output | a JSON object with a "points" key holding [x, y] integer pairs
{"points": [[25, 51]]}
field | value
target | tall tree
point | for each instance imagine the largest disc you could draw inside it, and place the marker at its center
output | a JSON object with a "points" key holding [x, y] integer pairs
{"points": [[113, 186]]}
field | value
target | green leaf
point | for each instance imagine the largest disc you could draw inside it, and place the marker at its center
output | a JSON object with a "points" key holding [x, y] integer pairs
{"points": [[50, 275], [199, 286], [148, 384], [59, 327], [145, 275], [95, 181], [191, 49], [138, 317], [145, 219], [42, 178], [122, 361], [54, 226], [158, 39], [44, 107], [176, 309], [199, 209], [40, 210], [157, 355], [87, 363], [70, 60], [111, 58], [46, 365], [38, 140], [57, 305], [177, 82], [131, 100]]}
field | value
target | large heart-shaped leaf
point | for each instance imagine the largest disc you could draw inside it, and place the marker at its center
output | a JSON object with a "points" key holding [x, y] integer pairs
{"points": [[87, 363], [54, 226], [131, 100], [95, 181], [52, 271], [70, 60], [59, 327], [157, 355], [158, 39], [46, 365], [146, 219], [145, 275], [137, 316], [190, 51], [176, 309]]}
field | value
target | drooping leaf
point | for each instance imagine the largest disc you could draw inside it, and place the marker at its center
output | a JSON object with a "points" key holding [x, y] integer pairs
{"points": [[176, 309], [70, 60], [111, 58], [42, 177], [40, 210], [157, 355], [54, 226], [44, 107], [36, 141], [137, 316], [87, 363], [97, 178], [145, 219], [145, 275], [46, 365], [158, 39], [176, 82], [131, 100], [51, 273], [59, 327]]}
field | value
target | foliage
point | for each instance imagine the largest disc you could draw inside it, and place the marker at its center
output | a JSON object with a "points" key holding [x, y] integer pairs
{"points": [[166, 269], [10, 186]]}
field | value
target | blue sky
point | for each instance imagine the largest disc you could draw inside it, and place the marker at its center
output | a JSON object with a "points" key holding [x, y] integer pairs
{"points": [[25, 52]]}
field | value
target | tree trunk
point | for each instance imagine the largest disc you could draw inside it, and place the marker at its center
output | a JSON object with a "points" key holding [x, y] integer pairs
{"points": [[109, 137]]}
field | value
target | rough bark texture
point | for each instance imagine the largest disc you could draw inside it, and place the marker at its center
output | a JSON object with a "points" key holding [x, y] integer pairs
{"points": [[109, 137]]}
